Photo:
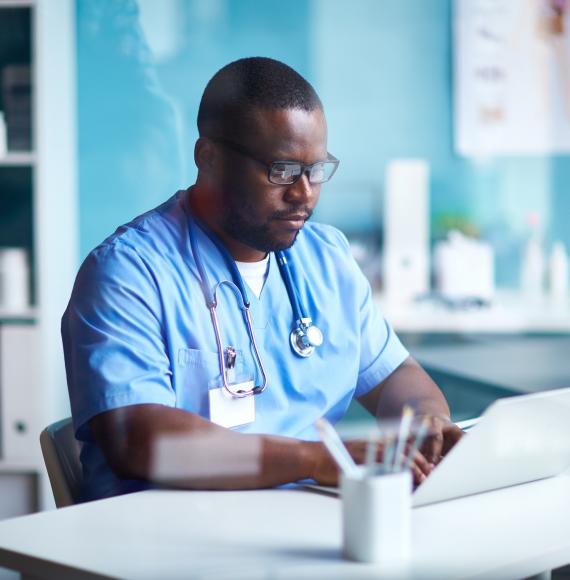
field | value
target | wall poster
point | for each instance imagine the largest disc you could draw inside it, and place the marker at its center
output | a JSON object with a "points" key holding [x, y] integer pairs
{"points": [[512, 77]]}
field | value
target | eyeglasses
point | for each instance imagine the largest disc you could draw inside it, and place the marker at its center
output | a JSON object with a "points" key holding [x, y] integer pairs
{"points": [[288, 172]]}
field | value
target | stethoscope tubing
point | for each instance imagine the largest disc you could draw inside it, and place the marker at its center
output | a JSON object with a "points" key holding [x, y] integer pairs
{"points": [[282, 263], [298, 337], [238, 393], [285, 270], [244, 305]]}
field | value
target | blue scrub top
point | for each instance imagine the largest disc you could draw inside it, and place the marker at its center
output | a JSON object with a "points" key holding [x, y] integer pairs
{"points": [[137, 330]]}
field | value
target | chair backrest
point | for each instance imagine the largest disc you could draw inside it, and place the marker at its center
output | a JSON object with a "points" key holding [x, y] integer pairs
{"points": [[61, 455]]}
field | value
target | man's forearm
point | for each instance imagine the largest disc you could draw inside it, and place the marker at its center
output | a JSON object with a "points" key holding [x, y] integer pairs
{"points": [[280, 460], [408, 384], [201, 455]]}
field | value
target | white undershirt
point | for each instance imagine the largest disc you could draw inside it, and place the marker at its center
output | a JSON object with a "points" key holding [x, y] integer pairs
{"points": [[254, 274]]}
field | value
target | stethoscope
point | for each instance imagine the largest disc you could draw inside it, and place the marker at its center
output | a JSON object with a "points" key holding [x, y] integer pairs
{"points": [[304, 337]]}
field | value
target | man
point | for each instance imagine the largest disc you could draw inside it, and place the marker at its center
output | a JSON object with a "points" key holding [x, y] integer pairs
{"points": [[149, 356]]}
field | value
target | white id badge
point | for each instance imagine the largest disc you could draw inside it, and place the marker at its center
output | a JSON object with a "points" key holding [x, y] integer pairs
{"points": [[228, 411]]}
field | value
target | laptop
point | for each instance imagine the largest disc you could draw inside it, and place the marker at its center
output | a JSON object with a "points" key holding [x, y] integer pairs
{"points": [[517, 440]]}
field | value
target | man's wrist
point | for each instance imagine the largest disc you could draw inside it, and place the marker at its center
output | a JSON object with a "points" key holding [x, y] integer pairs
{"points": [[433, 415], [309, 453]]}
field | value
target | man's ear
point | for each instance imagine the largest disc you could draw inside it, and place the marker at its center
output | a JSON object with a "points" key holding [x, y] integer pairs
{"points": [[205, 155]]}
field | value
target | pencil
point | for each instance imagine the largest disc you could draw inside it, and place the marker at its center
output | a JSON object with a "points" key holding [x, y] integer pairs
{"points": [[405, 424], [336, 447]]}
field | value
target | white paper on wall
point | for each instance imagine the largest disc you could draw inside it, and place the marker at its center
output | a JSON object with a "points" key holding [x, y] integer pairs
{"points": [[512, 77]]}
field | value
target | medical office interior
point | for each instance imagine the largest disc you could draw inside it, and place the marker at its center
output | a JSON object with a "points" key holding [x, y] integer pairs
{"points": [[451, 120]]}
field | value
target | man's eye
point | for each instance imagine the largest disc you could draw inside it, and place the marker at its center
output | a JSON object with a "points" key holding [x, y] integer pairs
{"points": [[318, 172], [285, 171]]}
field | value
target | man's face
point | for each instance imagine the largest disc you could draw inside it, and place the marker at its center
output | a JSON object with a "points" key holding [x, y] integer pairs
{"points": [[256, 212]]}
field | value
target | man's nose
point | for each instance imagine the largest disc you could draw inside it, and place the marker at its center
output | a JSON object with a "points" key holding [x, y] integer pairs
{"points": [[301, 192]]}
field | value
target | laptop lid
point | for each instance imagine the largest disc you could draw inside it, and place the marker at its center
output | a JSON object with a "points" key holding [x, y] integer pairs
{"points": [[518, 439]]}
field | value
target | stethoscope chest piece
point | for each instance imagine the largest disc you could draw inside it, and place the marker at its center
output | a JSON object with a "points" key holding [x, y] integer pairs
{"points": [[305, 338]]}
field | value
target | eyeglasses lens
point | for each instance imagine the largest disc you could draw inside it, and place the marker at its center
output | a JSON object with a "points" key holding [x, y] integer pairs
{"points": [[318, 173], [287, 173], [284, 173]]}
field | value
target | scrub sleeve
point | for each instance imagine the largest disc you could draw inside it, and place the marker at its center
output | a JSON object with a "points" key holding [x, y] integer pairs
{"points": [[115, 334], [381, 351]]}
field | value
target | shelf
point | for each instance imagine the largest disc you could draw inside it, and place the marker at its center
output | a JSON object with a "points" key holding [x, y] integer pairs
{"points": [[38, 194], [509, 313], [17, 159], [19, 466], [25, 316]]}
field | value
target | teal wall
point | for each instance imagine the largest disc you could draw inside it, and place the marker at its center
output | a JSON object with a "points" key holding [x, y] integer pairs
{"points": [[385, 72], [137, 112], [382, 67]]}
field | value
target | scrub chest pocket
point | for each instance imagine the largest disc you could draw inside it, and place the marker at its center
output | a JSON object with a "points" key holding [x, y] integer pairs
{"points": [[198, 372]]}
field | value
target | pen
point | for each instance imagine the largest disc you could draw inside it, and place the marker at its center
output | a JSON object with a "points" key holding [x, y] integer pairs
{"points": [[389, 449], [419, 439], [404, 431], [336, 447], [371, 449]]}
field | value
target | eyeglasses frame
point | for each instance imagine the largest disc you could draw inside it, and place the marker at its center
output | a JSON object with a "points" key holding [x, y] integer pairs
{"points": [[304, 168]]}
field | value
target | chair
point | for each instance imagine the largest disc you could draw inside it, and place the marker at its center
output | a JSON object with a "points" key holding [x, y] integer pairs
{"points": [[61, 456]]}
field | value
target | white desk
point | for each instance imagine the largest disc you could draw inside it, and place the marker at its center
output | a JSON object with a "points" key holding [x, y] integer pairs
{"points": [[509, 533]]}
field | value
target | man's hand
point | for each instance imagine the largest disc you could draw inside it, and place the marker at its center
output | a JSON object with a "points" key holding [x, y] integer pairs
{"points": [[326, 471], [409, 384], [442, 435]]}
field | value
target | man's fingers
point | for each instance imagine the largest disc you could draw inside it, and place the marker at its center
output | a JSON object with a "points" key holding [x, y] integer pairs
{"points": [[419, 475], [433, 447], [451, 435], [422, 463]]}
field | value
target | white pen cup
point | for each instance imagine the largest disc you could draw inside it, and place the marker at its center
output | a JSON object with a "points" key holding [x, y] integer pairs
{"points": [[376, 517]]}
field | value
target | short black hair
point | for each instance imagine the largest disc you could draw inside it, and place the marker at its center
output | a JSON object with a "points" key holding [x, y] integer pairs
{"points": [[247, 84]]}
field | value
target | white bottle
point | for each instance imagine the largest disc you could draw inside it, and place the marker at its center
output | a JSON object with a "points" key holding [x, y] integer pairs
{"points": [[533, 269], [558, 273], [14, 280], [3, 136], [406, 230]]}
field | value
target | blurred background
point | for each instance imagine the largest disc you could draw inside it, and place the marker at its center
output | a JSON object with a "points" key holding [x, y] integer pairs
{"points": [[452, 123]]}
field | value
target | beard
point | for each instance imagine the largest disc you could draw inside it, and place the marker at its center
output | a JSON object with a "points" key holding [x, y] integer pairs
{"points": [[241, 224]]}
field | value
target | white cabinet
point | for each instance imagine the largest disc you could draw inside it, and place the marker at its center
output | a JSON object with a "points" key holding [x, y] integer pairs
{"points": [[19, 492], [20, 382], [37, 212]]}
